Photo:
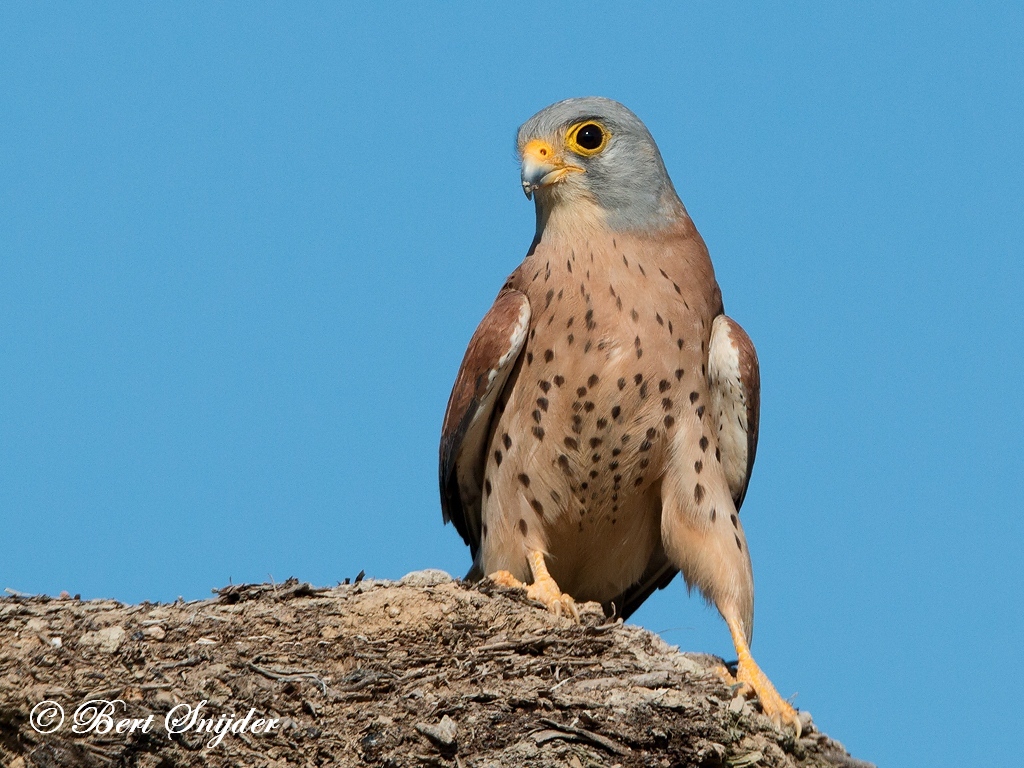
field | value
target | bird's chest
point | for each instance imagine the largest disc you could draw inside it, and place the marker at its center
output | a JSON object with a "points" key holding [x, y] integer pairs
{"points": [[599, 383]]}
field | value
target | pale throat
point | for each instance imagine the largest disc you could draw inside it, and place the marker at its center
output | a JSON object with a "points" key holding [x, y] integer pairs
{"points": [[570, 219]]}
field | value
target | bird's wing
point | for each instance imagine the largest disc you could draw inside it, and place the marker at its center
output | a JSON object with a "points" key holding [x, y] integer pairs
{"points": [[735, 383], [485, 370]]}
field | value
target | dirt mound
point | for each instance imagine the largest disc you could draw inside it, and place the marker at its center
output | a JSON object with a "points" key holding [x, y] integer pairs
{"points": [[423, 671]]}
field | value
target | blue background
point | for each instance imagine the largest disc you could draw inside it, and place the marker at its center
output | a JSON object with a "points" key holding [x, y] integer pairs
{"points": [[242, 249]]}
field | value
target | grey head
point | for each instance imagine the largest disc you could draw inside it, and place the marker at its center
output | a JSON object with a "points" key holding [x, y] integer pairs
{"points": [[597, 150]]}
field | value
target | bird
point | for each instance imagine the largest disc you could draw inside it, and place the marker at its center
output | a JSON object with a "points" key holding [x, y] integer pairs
{"points": [[603, 425]]}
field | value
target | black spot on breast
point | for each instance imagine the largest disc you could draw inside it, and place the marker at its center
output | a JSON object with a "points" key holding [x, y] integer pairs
{"points": [[506, 440], [592, 380], [718, 454], [639, 481], [570, 442], [537, 507], [651, 433], [664, 385], [658, 318], [581, 391], [698, 493], [666, 403], [577, 423], [621, 383], [616, 410], [739, 546], [544, 386], [679, 343], [595, 441], [570, 338], [625, 438], [569, 322], [700, 412], [616, 451], [589, 317], [588, 406], [593, 473], [555, 497], [698, 465], [735, 521], [524, 479], [638, 379], [548, 297], [543, 403], [634, 314], [703, 442], [645, 445], [694, 397], [523, 527], [548, 355], [595, 458], [713, 514], [485, 530], [487, 487], [529, 358], [537, 416], [563, 462], [601, 423], [497, 458], [586, 347], [613, 465], [643, 391], [679, 373], [538, 432], [559, 381], [669, 421]]}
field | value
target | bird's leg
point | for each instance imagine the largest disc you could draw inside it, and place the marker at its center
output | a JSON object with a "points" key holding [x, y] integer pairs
{"points": [[543, 589], [750, 675]]}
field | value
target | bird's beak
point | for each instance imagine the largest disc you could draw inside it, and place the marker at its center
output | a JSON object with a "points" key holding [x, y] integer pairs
{"points": [[542, 166]]}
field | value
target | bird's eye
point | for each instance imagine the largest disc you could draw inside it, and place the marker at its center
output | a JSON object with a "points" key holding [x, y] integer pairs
{"points": [[587, 138], [590, 136]]}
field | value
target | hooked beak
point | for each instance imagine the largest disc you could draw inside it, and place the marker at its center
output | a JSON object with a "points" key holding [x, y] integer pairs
{"points": [[543, 167]]}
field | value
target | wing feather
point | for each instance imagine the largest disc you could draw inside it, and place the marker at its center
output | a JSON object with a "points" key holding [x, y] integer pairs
{"points": [[735, 382], [489, 360]]}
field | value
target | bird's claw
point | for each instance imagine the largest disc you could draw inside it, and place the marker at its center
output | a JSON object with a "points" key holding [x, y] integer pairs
{"points": [[544, 590], [750, 680]]}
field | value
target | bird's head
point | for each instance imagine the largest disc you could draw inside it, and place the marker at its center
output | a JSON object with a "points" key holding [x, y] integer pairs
{"points": [[594, 152]]}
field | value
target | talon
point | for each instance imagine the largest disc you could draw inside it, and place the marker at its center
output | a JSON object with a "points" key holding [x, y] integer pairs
{"points": [[750, 676], [545, 590], [506, 579]]}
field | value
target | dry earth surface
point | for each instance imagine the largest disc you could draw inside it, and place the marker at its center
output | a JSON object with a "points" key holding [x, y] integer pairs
{"points": [[419, 672]]}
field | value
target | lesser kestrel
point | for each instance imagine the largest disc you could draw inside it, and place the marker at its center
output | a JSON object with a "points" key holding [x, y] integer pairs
{"points": [[602, 428]]}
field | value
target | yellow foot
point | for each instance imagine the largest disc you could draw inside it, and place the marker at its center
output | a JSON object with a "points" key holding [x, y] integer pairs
{"points": [[506, 579], [543, 590], [750, 676]]}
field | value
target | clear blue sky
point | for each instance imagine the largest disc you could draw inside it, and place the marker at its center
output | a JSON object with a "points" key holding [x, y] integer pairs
{"points": [[242, 249]]}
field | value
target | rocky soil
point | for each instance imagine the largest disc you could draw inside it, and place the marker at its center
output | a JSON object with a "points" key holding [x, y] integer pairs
{"points": [[425, 671]]}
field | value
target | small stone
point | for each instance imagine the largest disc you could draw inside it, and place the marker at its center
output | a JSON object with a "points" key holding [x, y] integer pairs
{"points": [[444, 734], [107, 640], [156, 632], [430, 577]]}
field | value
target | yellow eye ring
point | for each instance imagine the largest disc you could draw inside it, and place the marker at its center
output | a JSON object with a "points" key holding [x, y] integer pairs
{"points": [[587, 138]]}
